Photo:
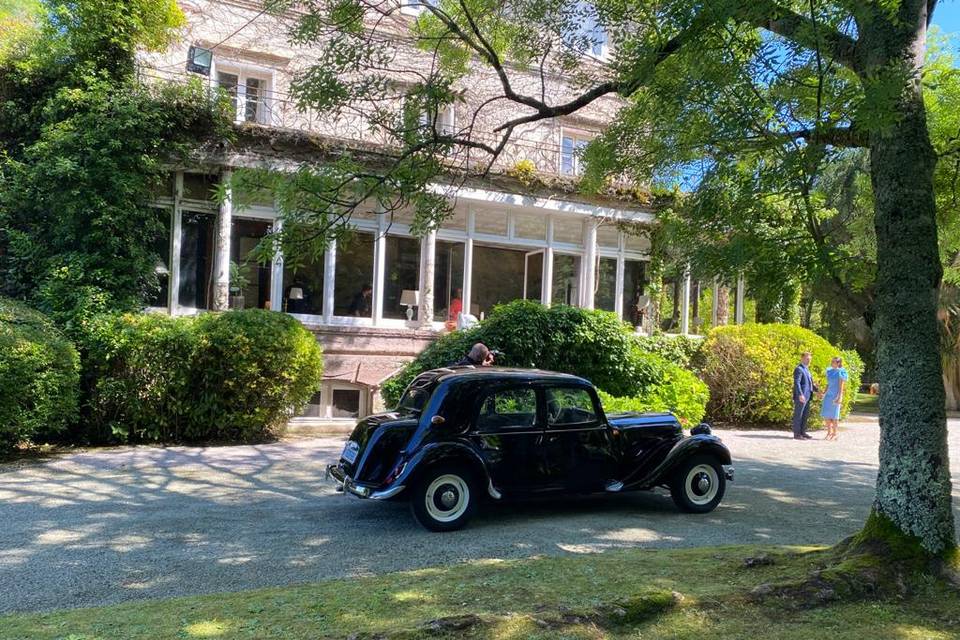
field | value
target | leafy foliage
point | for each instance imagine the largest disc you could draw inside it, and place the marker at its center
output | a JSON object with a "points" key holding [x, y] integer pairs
{"points": [[82, 146], [749, 369], [591, 344], [39, 376], [236, 376], [679, 350], [679, 391]]}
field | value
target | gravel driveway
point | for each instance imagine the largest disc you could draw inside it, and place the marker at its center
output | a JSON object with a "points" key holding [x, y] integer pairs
{"points": [[108, 526]]}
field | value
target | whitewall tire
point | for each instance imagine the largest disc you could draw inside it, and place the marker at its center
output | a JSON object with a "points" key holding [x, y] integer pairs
{"points": [[443, 498], [698, 484]]}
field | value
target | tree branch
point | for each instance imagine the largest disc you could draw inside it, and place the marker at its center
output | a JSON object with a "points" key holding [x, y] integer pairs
{"points": [[771, 16]]}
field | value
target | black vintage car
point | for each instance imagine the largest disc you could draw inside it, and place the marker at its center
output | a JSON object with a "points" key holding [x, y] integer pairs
{"points": [[459, 435]]}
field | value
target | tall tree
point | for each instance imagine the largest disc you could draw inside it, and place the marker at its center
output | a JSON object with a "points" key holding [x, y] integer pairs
{"points": [[760, 93]]}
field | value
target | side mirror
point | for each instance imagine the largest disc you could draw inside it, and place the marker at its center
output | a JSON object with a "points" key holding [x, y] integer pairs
{"points": [[437, 421]]}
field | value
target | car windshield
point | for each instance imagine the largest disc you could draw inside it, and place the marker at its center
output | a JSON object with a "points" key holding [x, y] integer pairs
{"points": [[413, 401]]}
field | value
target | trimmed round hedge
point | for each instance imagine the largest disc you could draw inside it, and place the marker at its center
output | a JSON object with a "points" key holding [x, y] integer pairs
{"points": [[39, 376], [235, 376], [595, 345], [749, 369]]}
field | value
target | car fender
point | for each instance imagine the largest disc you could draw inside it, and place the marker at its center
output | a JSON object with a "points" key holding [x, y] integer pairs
{"points": [[681, 452], [439, 452]]}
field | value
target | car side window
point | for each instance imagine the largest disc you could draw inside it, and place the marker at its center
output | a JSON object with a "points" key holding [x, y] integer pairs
{"points": [[569, 406], [508, 409]]}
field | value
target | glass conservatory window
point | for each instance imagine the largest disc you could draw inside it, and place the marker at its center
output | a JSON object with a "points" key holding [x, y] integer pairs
{"points": [[403, 274], [161, 247], [606, 295], [566, 279], [448, 281], [495, 277], [245, 235], [633, 285], [353, 289], [303, 287], [196, 260]]}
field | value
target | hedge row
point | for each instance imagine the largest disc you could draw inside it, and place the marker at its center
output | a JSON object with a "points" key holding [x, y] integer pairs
{"points": [[39, 376]]}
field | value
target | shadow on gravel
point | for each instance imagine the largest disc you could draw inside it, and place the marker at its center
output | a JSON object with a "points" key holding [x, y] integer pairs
{"points": [[94, 529]]}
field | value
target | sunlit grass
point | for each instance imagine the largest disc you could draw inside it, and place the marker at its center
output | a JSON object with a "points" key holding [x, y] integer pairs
{"points": [[206, 629], [519, 600]]}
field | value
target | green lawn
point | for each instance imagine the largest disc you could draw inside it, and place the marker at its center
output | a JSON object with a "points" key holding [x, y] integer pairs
{"points": [[542, 598], [866, 403]]}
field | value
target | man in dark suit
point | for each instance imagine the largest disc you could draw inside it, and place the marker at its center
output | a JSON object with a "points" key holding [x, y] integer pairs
{"points": [[803, 390]]}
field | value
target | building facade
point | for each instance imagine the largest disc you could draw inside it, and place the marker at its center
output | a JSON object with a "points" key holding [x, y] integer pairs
{"points": [[376, 301]]}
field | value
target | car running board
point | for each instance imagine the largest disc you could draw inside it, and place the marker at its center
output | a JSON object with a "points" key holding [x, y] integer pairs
{"points": [[614, 486]]}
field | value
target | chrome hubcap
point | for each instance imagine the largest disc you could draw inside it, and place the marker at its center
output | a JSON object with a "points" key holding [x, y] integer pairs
{"points": [[702, 484], [447, 498]]}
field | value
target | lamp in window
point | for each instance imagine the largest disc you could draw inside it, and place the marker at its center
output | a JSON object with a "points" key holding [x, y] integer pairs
{"points": [[294, 294], [409, 299], [199, 60]]}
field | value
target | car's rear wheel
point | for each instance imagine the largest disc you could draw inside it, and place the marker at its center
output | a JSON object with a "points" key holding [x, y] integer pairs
{"points": [[698, 484], [443, 498]]}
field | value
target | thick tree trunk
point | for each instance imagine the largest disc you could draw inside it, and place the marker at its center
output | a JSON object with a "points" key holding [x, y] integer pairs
{"points": [[913, 483]]}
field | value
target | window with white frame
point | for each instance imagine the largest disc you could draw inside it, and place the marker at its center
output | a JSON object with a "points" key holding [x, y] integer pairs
{"points": [[588, 36], [249, 89], [444, 123], [335, 399], [416, 7], [571, 152]]}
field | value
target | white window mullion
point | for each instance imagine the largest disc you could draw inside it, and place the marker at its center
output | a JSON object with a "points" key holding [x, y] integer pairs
{"points": [[329, 281], [379, 267], [176, 239], [588, 267], [241, 98], [467, 292], [618, 294], [276, 275]]}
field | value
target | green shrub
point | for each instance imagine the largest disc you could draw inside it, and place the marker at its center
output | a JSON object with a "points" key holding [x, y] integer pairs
{"points": [[749, 369], [593, 344], [39, 376], [680, 350], [236, 376], [260, 367], [680, 392]]}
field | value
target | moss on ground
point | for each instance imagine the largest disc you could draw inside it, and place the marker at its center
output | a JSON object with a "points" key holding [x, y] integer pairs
{"points": [[615, 595]]}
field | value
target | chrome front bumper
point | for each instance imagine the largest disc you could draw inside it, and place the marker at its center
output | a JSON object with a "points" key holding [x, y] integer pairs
{"points": [[728, 472], [347, 485]]}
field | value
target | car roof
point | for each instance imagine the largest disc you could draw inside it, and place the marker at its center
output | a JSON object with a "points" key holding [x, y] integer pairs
{"points": [[505, 373]]}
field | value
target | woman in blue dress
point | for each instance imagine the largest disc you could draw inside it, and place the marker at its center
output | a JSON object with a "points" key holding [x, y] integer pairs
{"points": [[833, 397]]}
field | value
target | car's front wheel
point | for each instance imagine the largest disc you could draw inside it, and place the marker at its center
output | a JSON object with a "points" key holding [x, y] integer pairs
{"points": [[698, 484], [443, 498]]}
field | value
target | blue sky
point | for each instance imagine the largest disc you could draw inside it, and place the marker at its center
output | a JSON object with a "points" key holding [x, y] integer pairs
{"points": [[947, 15]]}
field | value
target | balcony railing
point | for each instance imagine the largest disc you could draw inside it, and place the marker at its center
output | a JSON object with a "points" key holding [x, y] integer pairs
{"points": [[280, 110]]}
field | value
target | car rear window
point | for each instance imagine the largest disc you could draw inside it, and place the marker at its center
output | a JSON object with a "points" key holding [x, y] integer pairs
{"points": [[413, 400]]}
